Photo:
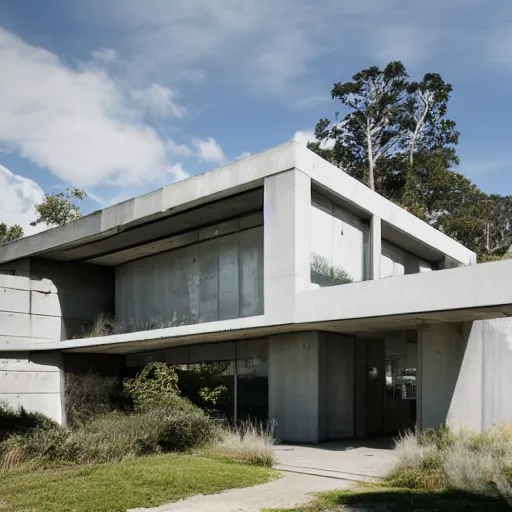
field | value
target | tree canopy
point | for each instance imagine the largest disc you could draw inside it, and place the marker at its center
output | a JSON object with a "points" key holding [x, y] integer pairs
{"points": [[55, 210], [396, 137]]}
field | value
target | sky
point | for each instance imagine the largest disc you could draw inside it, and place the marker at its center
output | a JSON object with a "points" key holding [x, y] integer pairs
{"points": [[121, 97]]}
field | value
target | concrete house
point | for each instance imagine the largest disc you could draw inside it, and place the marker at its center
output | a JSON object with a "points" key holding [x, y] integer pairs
{"points": [[340, 314]]}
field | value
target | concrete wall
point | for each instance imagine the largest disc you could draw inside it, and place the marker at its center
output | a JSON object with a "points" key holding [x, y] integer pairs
{"points": [[29, 312], [337, 378], [217, 279], [84, 291], [311, 386], [294, 386], [33, 381], [466, 373]]}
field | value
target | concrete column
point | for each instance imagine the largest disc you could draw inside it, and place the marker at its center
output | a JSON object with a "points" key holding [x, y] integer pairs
{"points": [[294, 386], [287, 213], [451, 375], [311, 386], [375, 247]]}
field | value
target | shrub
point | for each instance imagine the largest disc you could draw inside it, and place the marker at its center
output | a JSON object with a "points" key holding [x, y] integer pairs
{"points": [[89, 394], [113, 436], [482, 463], [444, 459], [155, 385], [419, 463], [249, 443], [19, 421]]}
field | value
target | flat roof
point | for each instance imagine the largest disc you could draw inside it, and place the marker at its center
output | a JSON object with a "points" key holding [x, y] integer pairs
{"points": [[235, 178]]}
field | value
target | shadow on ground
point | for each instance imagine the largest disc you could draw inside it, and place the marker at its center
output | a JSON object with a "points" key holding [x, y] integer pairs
{"points": [[401, 500]]}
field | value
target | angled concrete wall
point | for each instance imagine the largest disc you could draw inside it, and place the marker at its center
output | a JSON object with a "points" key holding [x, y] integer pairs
{"points": [[466, 374]]}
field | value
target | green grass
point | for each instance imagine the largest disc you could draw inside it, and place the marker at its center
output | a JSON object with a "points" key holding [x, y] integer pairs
{"points": [[116, 487], [379, 498]]}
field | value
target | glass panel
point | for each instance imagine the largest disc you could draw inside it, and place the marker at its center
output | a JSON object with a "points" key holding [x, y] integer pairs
{"points": [[338, 244], [398, 262]]}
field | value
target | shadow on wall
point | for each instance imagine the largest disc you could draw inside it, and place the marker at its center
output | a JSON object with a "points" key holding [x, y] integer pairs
{"points": [[324, 274]]}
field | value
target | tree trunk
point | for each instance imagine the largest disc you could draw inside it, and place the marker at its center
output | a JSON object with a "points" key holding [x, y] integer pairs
{"points": [[371, 164]]}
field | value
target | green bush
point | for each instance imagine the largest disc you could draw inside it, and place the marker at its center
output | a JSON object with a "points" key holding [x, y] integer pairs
{"points": [[19, 421], [113, 436], [155, 385]]}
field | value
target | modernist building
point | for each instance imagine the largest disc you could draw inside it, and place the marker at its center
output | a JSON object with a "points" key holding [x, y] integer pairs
{"points": [[340, 314]]}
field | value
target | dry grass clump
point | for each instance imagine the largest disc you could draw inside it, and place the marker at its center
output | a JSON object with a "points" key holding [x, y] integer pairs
{"points": [[249, 443], [445, 459]]}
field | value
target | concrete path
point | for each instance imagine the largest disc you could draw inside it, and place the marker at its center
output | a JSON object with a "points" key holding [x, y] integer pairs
{"points": [[289, 491], [352, 460], [305, 470]]}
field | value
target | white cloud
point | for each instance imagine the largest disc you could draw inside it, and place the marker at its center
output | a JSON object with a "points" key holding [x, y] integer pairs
{"points": [[209, 150], [159, 101], [174, 148], [78, 124], [18, 197], [245, 154], [177, 172]]}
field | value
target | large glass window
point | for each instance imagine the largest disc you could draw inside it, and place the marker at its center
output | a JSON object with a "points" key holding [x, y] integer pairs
{"points": [[339, 241], [229, 379], [396, 262]]}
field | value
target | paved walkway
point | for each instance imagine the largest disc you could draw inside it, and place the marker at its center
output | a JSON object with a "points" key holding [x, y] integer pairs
{"points": [[289, 491], [306, 470], [351, 460]]}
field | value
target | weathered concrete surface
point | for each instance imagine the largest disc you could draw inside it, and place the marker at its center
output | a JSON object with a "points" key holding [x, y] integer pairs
{"points": [[217, 279], [289, 491], [466, 374], [34, 381]]}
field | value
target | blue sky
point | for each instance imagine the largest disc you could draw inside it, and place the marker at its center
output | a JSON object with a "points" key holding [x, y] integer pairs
{"points": [[120, 97]]}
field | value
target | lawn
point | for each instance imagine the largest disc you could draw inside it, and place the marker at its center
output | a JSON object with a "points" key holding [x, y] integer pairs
{"points": [[380, 498], [116, 487]]}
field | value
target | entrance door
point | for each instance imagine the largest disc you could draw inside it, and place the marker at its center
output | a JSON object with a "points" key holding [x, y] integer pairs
{"points": [[390, 384], [401, 356]]}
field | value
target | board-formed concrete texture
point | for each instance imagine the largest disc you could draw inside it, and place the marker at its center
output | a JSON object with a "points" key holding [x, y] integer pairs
{"points": [[285, 248]]}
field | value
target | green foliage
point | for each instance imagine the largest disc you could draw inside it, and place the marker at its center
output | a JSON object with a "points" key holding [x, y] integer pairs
{"points": [[19, 421], [112, 436], [203, 384], [396, 138], [59, 209], [154, 385], [10, 234], [324, 274]]}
